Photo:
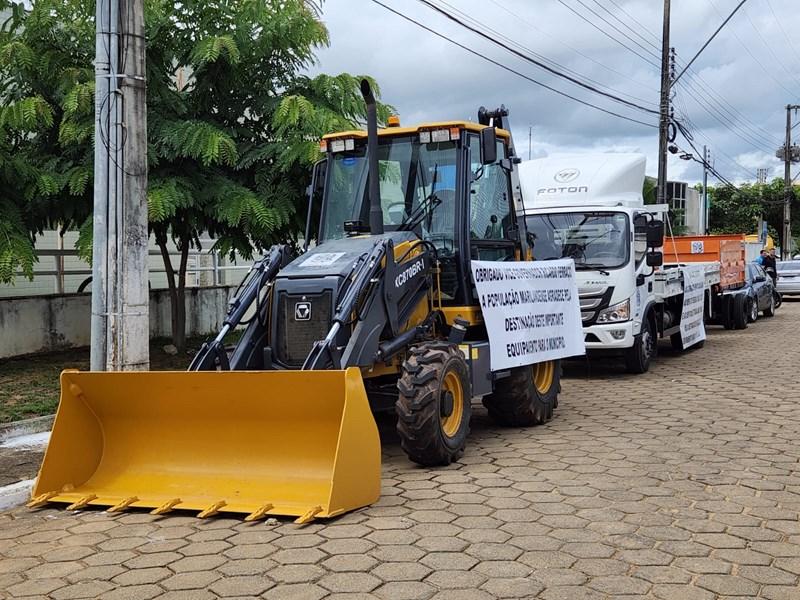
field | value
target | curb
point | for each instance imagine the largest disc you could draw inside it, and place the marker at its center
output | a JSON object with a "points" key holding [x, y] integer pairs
{"points": [[26, 427], [15, 494]]}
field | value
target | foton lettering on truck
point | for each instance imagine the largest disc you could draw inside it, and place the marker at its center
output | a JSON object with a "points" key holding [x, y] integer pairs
{"points": [[531, 311]]}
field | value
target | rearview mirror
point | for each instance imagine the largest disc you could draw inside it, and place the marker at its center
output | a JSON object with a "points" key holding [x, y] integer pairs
{"points": [[655, 234], [488, 146], [655, 259]]}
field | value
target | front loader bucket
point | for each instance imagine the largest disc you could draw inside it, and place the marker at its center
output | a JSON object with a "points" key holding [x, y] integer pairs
{"points": [[299, 443]]}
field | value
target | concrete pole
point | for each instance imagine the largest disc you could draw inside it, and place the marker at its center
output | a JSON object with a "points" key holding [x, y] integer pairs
{"points": [[106, 31], [120, 320], [663, 124], [786, 242], [705, 212]]}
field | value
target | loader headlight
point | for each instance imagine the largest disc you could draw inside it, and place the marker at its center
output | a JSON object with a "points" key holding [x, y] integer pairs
{"points": [[616, 313]]}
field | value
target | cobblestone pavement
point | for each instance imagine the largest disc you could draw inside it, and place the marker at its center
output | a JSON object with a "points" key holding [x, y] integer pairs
{"points": [[680, 484]]}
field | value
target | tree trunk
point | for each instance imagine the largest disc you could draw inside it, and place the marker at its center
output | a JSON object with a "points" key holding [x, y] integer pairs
{"points": [[175, 320], [179, 326]]}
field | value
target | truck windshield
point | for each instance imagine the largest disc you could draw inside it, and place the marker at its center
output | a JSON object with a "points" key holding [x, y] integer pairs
{"points": [[410, 173], [592, 239]]}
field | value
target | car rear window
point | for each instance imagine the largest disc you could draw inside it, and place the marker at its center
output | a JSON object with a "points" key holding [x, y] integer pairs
{"points": [[789, 265]]}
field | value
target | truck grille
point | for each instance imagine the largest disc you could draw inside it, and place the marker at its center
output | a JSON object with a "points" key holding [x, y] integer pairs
{"points": [[295, 337]]}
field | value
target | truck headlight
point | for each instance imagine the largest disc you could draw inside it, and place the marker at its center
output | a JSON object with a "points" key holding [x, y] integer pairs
{"points": [[616, 313]]}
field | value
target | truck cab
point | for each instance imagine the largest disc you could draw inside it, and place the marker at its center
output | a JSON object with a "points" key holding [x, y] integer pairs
{"points": [[590, 208]]}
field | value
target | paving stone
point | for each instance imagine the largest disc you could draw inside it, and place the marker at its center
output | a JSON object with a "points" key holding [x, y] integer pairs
{"points": [[450, 579], [401, 571], [728, 585], [516, 587], [405, 590], [349, 582], [242, 585], [190, 581], [136, 592], [619, 585]]}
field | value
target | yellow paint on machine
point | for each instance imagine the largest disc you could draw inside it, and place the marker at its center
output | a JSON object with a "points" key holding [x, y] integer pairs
{"points": [[294, 443]]}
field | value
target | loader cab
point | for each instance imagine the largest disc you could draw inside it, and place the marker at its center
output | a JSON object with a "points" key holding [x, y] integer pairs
{"points": [[436, 181]]}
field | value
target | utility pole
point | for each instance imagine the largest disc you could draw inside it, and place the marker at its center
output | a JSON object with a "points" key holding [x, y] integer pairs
{"points": [[705, 228], [530, 141], [663, 123], [120, 297], [788, 154], [761, 175]]}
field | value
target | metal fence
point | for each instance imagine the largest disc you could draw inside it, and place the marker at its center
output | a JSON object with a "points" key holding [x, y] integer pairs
{"points": [[69, 274]]}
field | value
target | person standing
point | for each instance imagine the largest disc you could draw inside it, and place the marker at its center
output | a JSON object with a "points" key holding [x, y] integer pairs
{"points": [[770, 265], [760, 259]]}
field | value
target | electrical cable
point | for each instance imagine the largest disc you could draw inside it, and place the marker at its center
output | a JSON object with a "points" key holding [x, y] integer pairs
{"points": [[603, 65], [523, 48], [608, 35], [507, 68], [534, 61]]}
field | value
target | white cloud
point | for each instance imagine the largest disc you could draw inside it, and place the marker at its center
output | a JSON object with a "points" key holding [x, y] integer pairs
{"points": [[735, 107]]}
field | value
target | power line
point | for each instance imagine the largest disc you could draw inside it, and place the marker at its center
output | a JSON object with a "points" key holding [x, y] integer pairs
{"points": [[538, 63], [507, 68], [757, 131], [769, 48], [523, 48], [603, 65], [785, 34], [753, 56], [610, 36], [628, 27]]}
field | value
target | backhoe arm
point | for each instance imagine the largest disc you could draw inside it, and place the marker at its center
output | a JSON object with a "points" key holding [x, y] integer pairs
{"points": [[212, 354]]}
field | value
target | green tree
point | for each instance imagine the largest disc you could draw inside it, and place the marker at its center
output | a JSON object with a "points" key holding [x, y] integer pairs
{"points": [[233, 121], [737, 210]]}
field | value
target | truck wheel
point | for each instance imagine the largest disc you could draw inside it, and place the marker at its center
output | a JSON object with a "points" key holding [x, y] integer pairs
{"points": [[434, 404], [727, 311], [770, 310], [741, 310], [752, 313], [638, 357], [527, 396]]}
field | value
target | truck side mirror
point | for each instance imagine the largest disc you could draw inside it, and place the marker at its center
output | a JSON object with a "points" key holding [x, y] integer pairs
{"points": [[655, 259], [655, 234], [488, 146]]}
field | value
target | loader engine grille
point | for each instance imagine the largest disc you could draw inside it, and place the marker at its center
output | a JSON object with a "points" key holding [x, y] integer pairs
{"points": [[302, 319]]}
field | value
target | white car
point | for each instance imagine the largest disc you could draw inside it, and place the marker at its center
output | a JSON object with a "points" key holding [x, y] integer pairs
{"points": [[789, 277]]}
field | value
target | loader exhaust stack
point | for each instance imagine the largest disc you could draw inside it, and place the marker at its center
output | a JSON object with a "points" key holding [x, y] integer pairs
{"points": [[375, 210], [256, 443]]}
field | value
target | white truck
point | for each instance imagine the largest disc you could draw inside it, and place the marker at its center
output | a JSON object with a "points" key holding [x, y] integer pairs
{"points": [[590, 208]]}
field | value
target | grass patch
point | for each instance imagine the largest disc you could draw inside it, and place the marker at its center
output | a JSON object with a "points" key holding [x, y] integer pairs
{"points": [[29, 385]]}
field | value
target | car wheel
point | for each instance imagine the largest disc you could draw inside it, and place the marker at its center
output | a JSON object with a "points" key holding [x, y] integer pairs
{"points": [[770, 310], [753, 316]]}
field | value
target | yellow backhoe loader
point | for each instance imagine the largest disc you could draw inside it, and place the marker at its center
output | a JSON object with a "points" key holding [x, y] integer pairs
{"points": [[380, 315]]}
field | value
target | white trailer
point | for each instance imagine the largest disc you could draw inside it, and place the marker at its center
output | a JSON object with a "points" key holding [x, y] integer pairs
{"points": [[590, 208]]}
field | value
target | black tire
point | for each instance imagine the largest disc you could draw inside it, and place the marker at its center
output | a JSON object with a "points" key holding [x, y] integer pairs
{"points": [[432, 415], [752, 311], [770, 310], [677, 343], [740, 310], [645, 346], [778, 298], [726, 316], [527, 396]]}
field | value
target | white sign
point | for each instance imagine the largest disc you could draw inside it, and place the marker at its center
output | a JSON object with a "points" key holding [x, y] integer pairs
{"points": [[698, 247], [531, 311], [694, 284], [322, 259]]}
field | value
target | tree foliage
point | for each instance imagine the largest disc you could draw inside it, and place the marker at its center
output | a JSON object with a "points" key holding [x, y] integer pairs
{"points": [[737, 210], [233, 122]]}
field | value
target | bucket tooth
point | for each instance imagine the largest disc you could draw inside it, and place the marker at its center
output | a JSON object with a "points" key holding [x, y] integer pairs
{"points": [[120, 506], [259, 513], [212, 510], [82, 502], [41, 500], [166, 507], [309, 515]]}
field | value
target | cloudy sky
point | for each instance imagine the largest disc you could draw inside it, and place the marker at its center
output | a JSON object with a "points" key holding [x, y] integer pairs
{"points": [[732, 100]]}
